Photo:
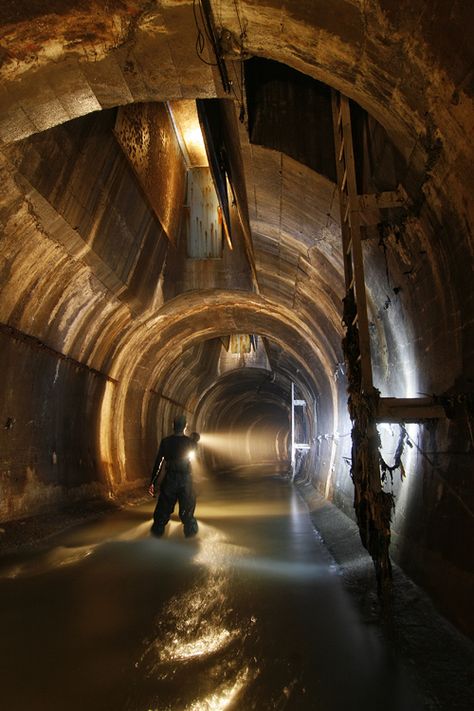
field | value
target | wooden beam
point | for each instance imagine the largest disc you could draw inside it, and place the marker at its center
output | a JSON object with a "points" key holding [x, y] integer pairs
{"points": [[385, 200], [343, 199], [356, 248], [370, 205], [393, 409]]}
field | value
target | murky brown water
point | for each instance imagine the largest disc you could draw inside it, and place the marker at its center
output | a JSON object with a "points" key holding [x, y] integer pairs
{"points": [[250, 615]]}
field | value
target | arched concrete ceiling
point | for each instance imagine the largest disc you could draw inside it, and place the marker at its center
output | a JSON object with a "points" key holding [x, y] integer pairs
{"points": [[63, 60], [394, 58]]}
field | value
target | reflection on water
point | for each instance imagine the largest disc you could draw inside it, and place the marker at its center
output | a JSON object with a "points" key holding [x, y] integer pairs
{"points": [[190, 626], [200, 626], [243, 509], [223, 697], [219, 700], [62, 556], [57, 558], [249, 615]]}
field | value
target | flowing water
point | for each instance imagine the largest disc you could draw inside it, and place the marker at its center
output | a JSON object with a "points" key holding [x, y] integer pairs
{"points": [[251, 614]]}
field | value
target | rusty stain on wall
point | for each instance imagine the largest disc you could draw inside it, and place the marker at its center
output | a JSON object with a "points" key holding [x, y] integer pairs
{"points": [[147, 137], [35, 32], [203, 220]]}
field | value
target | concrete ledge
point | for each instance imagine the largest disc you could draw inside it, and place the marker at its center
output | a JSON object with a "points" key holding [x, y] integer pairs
{"points": [[438, 658]]}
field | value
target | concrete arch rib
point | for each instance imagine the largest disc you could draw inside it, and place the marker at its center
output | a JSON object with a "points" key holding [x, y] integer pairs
{"points": [[116, 63], [144, 356]]}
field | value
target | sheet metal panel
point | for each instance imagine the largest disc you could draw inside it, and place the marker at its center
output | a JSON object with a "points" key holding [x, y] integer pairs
{"points": [[203, 217]]}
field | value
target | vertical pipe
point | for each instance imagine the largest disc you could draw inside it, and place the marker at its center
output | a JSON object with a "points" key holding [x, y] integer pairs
{"points": [[293, 462]]}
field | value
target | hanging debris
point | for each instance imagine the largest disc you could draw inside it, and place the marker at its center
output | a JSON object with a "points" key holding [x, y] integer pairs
{"points": [[373, 506], [387, 470]]}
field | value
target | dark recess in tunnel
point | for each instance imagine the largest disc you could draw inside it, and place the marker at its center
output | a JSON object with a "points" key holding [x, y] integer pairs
{"points": [[290, 112], [245, 417]]}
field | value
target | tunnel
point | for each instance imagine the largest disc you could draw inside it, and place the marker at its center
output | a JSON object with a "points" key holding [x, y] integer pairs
{"points": [[256, 214]]}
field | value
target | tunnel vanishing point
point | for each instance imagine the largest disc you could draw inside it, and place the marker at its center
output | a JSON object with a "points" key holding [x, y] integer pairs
{"points": [[259, 213]]}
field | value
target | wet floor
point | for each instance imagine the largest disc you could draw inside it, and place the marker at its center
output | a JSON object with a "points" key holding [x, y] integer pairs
{"points": [[249, 615]]}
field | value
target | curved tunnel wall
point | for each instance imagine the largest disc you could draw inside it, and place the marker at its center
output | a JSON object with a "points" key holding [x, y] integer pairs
{"points": [[84, 347], [233, 312]]}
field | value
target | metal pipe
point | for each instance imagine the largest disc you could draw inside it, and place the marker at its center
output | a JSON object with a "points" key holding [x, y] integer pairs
{"points": [[37, 344]]}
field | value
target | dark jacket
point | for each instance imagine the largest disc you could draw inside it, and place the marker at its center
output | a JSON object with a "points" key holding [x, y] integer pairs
{"points": [[175, 450]]}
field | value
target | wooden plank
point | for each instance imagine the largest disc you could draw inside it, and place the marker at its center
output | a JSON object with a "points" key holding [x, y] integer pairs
{"points": [[344, 179], [384, 200], [341, 151], [357, 256], [343, 200], [370, 205], [346, 211], [392, 409]]}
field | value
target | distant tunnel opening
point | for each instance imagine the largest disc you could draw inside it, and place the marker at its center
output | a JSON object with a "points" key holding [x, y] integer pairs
{"points": [[239, 403], [245, 420]]}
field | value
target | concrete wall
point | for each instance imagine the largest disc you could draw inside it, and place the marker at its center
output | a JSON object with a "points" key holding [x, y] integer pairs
{"points": [[49, 429]]}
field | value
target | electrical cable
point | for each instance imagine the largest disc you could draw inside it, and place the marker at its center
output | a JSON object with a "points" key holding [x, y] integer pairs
{"points": [[201, 38], [242, 31]]}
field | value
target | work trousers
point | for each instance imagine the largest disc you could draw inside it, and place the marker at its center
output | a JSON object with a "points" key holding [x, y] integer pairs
{"points": [[176, 487]]}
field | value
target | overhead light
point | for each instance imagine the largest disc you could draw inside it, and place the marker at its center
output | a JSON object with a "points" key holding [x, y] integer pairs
{"points": [[186, 124]]}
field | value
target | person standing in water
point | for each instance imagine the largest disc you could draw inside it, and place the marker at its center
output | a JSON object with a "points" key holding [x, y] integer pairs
{"points": [[171, 480]]}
